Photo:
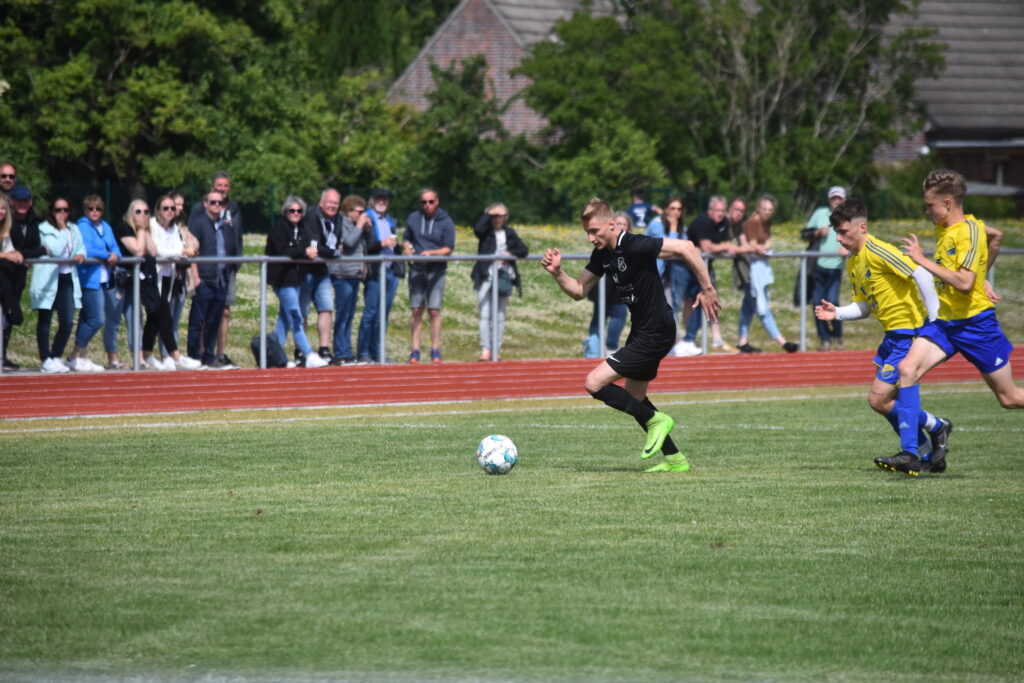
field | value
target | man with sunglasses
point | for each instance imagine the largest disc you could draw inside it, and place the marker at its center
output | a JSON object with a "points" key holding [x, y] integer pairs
{"points": [[217, 237], [8, 177], [428, 232], [231, 215]]}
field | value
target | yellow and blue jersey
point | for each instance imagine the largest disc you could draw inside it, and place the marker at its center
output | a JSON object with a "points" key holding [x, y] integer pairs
{"points": [[882, 277], [962, 245]]}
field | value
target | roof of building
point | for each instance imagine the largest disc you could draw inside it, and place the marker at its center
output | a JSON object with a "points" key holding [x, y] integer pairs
{"points": [[501, 29], [980, 94], [534, 20]]}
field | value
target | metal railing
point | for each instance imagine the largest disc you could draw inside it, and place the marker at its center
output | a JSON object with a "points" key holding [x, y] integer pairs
{"points": [[136, 263]]}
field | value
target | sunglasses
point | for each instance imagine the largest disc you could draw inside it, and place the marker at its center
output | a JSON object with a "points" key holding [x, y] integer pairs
{"points": [[214, 202], [167, 208], [94, 208], [60, 209], [294, 210], [8, 176], [358, 210], [141, 212], [428, 201]]}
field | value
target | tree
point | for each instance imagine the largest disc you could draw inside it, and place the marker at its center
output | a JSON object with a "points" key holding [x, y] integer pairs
{"points": [[787, 97], [466, 153]]}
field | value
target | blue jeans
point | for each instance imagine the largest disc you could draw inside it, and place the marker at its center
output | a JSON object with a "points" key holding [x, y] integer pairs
{"points": [[826, 286], [346, 293], [616, 316], [763, 307], [90, 320], [204, 320], [681, 277], [289, 319], [369, 326], [117, 303]]}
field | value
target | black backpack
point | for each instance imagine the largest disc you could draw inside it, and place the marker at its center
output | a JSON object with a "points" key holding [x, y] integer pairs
{"points": [[276, 357]]}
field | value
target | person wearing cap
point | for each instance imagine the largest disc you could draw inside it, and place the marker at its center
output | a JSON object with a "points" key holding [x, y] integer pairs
{"points": [[495, 237], [385, 229], [828, 271], [25, 242]]}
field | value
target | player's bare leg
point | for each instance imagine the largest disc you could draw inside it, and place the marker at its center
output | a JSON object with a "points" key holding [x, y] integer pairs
{"points": [[1002, 385]]}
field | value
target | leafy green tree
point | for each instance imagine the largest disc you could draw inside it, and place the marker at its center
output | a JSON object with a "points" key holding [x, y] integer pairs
{"points": [[466, 152], [786, 98], [165, 93]]}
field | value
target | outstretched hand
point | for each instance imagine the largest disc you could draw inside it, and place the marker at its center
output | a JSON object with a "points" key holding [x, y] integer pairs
{"points": [[708, 300], [826, 311], [552, 260]]}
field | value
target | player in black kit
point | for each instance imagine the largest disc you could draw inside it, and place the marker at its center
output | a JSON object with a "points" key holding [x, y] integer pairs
{"points": [[630, 261]]}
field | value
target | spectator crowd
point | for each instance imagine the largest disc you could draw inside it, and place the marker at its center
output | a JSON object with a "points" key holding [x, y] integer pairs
{"points": [[324, 242]]}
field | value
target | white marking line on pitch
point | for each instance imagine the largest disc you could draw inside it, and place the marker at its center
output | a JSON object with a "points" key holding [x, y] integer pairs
{"points": [[450, 413]]}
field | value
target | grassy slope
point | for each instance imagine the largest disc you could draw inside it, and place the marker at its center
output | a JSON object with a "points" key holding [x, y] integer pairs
{"points": [[545, 323]]}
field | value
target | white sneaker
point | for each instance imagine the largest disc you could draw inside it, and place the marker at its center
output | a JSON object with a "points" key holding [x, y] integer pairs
{"points": [[53, 366], [686, 349], [166, 364], [84, 365], [183, 363], [313, 360]]}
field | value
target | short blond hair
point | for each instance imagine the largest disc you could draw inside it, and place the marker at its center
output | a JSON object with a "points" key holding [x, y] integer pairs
{"points": [[596, 208], [947, 183]]}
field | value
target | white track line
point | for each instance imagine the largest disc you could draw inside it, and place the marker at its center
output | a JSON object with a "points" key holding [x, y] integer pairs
{"points": [[377, 416]]}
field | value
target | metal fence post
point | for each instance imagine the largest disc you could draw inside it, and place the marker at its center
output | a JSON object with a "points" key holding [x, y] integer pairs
{"points": [[493, 293], [803, 303], [135, 345], [382, 309], [263, 315]]}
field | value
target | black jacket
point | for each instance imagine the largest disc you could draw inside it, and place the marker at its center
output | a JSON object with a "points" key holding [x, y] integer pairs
{"points": [[488, 245], [284, 239]]}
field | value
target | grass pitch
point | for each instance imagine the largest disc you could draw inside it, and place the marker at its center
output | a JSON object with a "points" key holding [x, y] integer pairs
{"points": [[366, 544]]}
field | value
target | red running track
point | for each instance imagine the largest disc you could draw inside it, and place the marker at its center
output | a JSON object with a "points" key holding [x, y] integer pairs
{"points": [[25, 395]]}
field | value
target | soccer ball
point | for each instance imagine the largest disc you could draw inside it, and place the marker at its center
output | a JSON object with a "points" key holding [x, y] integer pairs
{"points": [[496, 454]]}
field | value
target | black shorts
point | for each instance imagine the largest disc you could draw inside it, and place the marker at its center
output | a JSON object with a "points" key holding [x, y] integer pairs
{"points": [[640, 357]]}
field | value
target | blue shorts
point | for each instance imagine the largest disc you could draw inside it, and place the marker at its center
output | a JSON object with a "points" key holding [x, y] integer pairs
{"points": [[891, 351], [979, 339]]}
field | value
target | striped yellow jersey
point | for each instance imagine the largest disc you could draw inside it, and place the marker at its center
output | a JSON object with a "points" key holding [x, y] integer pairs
{"points": [[962, 245], [882, 277]]}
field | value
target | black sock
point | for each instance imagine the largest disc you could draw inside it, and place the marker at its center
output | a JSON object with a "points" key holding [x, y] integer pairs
{"points": [[615, 396], [669, 447]]}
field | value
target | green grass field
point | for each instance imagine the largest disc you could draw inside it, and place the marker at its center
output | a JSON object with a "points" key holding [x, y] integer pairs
{"points": [[366, 544], [546, 323]]}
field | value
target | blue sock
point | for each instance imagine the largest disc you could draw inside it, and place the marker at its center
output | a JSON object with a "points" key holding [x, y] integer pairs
{"points": [[922, 433], [908, 410]]}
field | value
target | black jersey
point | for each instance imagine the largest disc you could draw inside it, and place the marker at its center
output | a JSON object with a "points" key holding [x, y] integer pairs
{"points": [[632, 267]]}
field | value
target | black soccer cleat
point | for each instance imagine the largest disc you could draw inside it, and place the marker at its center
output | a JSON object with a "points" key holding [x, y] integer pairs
{"points": [[940, 446], [904, 462]]}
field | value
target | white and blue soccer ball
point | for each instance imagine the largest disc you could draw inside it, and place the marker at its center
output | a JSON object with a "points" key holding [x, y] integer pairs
{"points": [[497, 454]]}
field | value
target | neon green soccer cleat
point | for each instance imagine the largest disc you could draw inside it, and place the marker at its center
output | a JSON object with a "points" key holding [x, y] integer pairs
{"points": [[673, 463], [658, 428]]}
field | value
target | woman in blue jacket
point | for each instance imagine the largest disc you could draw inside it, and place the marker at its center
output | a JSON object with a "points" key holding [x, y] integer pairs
{"points": [[54, 286], [96, 279]]}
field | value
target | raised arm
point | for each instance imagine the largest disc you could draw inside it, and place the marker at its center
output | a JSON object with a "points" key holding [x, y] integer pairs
{"points": [[575, 288]]}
